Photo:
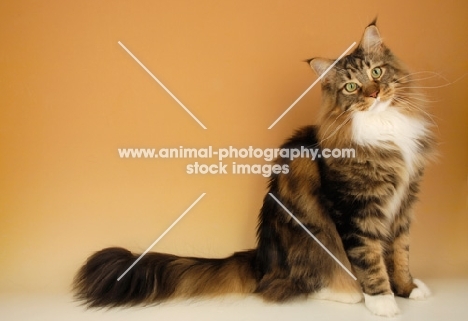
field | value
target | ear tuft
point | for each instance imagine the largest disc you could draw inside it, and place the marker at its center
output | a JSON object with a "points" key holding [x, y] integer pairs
{"points": [[320, 65], [373, 22]]}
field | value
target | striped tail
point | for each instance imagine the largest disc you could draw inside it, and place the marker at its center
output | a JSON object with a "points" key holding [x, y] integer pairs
{"points": [[158, 277]]}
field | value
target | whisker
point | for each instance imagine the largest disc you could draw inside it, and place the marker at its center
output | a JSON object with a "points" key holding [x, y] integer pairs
{"points": [[326, 130], [424, 100], [425, 87], [434, 74], [337, 129], [414, 96], [415, 106], [416, 79], [435, 87]]}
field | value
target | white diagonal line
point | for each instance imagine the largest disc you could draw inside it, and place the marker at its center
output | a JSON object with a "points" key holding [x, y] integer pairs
{"points": [[162, 85], [311, 86], [313, 236], [162, 235]]}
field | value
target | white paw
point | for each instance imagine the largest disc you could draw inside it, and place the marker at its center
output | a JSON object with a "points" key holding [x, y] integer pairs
{"points": [[344, 297], [383, 305], [421, 292]]}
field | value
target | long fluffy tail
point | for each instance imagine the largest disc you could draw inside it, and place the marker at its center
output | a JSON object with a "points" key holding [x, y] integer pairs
{"points": [[157, 277]]}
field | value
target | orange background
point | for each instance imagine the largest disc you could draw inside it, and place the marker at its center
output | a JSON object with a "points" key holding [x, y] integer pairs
{"points": [[70, 96]]}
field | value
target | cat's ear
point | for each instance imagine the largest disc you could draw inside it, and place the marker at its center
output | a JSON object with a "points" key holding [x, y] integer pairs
{"points": [[371, 39], [320, 65]]}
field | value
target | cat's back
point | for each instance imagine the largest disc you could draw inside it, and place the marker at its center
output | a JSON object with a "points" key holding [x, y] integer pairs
{"points": [[304, 137]]}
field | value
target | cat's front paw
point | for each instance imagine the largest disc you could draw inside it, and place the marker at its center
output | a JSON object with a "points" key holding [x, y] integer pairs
{"points": [[420, 292], [383, 304]]}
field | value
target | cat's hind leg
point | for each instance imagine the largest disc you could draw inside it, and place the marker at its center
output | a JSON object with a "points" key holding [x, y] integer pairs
{"points": [[341, 288], [420, 292]]}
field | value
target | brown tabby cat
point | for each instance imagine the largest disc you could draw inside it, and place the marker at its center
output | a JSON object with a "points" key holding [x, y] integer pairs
{"points": [[359, 208]]}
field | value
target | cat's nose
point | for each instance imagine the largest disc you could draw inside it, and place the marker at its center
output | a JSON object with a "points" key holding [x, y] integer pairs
{"points": [[374, 94]]}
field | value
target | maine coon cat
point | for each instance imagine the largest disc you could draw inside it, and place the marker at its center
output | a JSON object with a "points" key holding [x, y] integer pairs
{"points": [[359, 208]]}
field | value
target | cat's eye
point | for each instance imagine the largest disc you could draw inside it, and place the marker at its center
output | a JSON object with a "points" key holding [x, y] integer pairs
{"points": [[351, 87], [376, 72]]}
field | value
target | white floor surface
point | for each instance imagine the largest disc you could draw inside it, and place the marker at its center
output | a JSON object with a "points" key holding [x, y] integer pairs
{"points": [[449, 302]]}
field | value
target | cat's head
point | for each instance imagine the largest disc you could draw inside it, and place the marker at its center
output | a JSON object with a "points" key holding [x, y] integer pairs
{"points": [[370, 79], [369, 73]]}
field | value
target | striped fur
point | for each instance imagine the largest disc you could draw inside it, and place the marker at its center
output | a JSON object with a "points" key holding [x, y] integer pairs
{"points": [[359, 208]]}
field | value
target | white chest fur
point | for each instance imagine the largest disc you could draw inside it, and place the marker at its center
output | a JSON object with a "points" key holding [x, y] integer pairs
{"points": [[383, 124]]}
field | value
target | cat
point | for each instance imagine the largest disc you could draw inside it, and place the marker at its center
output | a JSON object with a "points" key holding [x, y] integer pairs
{"points": [[360, 208]]}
